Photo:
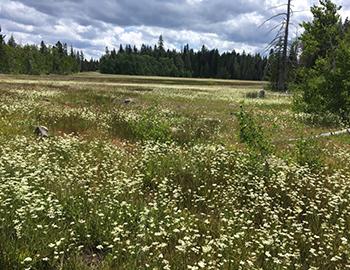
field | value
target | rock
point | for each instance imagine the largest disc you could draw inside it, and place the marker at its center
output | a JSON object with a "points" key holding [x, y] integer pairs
{"points": [[261, 94], [41, 131]]}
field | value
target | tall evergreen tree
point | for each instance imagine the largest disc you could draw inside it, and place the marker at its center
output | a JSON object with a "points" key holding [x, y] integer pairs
{"points": [[11, 42], [121, 49], [323, 79], [43, 48], [161, 43], [321, 36], [3, 56], [2, 37]]}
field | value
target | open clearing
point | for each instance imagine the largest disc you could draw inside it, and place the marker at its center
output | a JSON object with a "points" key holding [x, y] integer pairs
{"points": [[149, 173]]}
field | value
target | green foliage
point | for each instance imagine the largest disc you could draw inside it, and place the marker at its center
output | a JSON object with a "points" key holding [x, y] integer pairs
{"points": [[78, 202], [155, 61], [150, 125], [121, 127], [252, 94], [275, 62], [251, 133], [255, 94], [323, 84], [3, 56], [326, 87], [321, 36], [36, 60], [308, 152], [194, 129]]}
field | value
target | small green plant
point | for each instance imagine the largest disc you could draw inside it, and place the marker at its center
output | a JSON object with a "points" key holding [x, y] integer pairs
{"points": [[308, 152], [252, 134], [150, 125], [195, 129], [252, 95], [120, 126]]}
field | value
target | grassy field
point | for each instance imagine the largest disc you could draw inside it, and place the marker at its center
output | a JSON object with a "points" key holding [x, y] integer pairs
{"points": [[150, 173]]}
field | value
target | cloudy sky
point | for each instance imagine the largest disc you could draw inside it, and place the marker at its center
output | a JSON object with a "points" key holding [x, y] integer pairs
{"points": [[92, 25]]}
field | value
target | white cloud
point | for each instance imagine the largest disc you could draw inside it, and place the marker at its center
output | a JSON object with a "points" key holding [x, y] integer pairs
{"points": [[93, 25]]}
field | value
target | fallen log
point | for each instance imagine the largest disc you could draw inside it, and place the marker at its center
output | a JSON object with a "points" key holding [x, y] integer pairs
{"points": [[327, 134]]}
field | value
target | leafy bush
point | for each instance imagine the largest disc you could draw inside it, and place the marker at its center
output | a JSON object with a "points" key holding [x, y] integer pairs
{"points": [[252, 134]]}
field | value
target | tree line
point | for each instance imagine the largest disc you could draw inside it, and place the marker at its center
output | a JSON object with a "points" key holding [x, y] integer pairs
{"points": [[129, 60], [205, 63], [42, 59]]}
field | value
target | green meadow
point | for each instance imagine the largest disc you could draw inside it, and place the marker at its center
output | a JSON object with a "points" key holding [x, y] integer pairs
{"points": [[151, 173]]}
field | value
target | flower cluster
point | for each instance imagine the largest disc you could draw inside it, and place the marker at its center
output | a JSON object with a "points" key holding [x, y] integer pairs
{"points": [[167, 186]]}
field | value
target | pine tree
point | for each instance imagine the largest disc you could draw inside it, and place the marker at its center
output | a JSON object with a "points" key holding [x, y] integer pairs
{"points": [[11, 42], [59, 48], [71, 52], [323, 81], [161, 44], [2, 37], [43, 48], [3, 56], [82, 66], [121, 49], [321, 36]]}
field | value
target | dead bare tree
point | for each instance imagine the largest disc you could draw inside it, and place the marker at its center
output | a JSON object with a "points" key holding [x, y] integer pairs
{"points": [[282, 80], [281, 38]]}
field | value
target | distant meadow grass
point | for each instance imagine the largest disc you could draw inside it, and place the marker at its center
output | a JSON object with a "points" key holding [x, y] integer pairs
{"points": [[164, 181]]}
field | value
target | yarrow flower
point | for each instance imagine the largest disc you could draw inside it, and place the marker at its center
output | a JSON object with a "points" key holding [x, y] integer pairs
{"points": [[27, 260]]}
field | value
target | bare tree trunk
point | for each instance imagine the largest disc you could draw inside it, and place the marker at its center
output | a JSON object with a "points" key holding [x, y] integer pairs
{"points": [[282, 77]]}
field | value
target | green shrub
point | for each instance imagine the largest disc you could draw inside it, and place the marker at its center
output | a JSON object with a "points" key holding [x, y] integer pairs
{"points": [[151, 126], [252, 134], [308, 152]]}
